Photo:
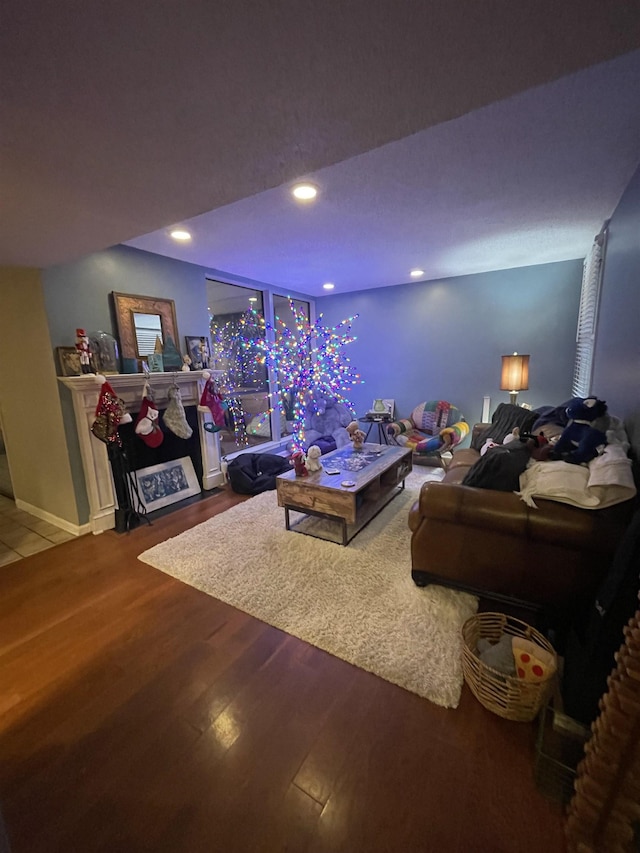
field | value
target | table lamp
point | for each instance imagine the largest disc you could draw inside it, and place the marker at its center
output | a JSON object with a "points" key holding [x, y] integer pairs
{"points": [[515, 375]]}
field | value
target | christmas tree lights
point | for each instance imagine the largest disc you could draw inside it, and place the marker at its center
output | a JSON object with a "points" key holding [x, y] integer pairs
{"points": [[233, 343], [310, 363], [308, 359]]}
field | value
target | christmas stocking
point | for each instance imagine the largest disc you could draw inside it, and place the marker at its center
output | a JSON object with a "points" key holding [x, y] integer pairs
{"points": [[211, 401], [147, 425], [175, 417], [110, 414]]}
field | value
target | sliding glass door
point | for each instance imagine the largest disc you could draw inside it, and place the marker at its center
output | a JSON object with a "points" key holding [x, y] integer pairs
{"points": [[239, 321], [236, 324]]}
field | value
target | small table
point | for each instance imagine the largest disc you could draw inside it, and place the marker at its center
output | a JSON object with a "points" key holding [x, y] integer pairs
{"points": [[380, 419], [376, 475]]}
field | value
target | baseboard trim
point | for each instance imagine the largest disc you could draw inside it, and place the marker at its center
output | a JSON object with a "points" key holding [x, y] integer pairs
{"points": [[67, 526]]}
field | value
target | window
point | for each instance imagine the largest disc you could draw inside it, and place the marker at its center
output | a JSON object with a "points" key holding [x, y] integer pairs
{"points": [[588, 315], [236, 320]]}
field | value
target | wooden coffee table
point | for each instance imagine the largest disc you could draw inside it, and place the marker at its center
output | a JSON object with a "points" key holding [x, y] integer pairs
{"points": [[377, 473]]}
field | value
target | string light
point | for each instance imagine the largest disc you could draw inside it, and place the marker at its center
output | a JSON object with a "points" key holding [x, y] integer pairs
{"points": [[308, 359]]}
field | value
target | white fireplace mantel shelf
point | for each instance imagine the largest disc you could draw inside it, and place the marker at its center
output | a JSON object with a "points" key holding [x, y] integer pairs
{"points": [[85, 391]]}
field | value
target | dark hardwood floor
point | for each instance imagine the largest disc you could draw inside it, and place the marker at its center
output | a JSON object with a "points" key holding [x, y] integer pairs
{"points": [[138, 714]]}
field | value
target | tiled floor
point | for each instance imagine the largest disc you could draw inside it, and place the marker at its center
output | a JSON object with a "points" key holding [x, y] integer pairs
{"points": [[22, 534]]}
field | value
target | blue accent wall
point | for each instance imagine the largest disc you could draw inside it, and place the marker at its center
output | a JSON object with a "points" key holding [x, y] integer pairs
{"points": [[616, 373], [77, 294], [443, 340]]}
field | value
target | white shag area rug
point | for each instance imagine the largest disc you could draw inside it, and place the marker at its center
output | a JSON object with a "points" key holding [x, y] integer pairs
{"points": [[356, 602]]}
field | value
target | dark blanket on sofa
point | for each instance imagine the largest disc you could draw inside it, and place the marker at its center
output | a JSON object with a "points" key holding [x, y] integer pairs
{"points": [[499, 468], [505, 418]]}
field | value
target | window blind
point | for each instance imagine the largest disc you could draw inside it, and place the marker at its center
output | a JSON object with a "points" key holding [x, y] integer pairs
{"points": [[588, 316]]}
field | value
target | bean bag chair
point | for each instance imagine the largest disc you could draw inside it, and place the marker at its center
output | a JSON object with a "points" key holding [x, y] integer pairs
{"points": [[434, 427], [252, 473]]}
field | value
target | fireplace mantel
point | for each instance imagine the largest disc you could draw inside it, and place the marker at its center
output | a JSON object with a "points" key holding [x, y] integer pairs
{"points": [[85, 391]]}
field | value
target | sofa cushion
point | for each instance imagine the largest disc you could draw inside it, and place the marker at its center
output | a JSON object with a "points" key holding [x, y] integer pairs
{"points": [[456, 475], [465, 457]]}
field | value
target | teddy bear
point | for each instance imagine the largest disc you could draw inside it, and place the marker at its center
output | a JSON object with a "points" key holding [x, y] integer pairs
{"points": [[325, 422], [356, 435], [580, 440], [313, 459], [298, 460]]}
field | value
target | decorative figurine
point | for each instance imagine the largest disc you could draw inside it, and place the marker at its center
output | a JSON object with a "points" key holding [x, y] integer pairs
{"points": [[356, 435], [204, 354], [313, 459], [84, 351], [298, 460]]}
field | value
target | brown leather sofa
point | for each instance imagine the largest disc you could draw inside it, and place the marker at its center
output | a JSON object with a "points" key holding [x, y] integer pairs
{"points": [[492, 544]]}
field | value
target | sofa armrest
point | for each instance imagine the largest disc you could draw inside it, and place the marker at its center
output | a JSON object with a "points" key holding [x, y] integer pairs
{"points": [[477, 430], [396, 428]]}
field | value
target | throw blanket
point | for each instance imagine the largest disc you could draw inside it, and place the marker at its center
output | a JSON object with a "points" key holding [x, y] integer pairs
{"points": [[605, 481], [505, 418]]}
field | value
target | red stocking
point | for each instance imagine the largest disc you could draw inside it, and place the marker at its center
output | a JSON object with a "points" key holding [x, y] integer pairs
{"points": [[211, 401]]}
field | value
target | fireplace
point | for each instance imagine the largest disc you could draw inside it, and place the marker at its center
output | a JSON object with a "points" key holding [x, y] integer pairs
{"points": [[205, 451]]}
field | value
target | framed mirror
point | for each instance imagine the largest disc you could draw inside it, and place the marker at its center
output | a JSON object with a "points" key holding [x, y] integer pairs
{"points": [[141, 320]]}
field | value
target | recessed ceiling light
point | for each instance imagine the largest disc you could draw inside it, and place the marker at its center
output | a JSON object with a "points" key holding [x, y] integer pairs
{"points": [[416, 273], [305, 192], [328, 286], [253, 299], [180, 234]]}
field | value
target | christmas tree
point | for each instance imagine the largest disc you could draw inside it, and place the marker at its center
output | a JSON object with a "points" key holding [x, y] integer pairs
{"points": [[308, 359], [310, 362]]}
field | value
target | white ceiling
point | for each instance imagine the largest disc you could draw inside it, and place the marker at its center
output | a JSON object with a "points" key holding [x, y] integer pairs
{"points": [[456, 139]]}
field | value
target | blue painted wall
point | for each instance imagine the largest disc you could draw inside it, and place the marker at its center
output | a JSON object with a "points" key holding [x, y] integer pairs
{"points": [[77, 294], [616, 374], [617, 354], [443, 340], [419, 341]]}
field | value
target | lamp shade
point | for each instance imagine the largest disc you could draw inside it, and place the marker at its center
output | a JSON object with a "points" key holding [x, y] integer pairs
{"points": [[515, 372]]}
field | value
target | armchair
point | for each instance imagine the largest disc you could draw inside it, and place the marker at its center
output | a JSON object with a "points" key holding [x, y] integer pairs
{"points": [[433, 428]]}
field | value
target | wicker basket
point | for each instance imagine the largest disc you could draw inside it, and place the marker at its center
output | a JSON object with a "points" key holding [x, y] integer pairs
{"points": [[508, 696]]}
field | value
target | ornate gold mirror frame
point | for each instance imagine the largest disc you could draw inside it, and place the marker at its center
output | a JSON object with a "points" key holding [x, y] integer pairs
{"points": [[127, 304]]}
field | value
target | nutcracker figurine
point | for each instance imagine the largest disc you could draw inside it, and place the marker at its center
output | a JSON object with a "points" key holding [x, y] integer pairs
{"points": [[84, 350]]}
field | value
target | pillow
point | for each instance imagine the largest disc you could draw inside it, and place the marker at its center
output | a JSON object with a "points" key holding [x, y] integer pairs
{"points": [[505, 418], [498, 655], [533, 663]]}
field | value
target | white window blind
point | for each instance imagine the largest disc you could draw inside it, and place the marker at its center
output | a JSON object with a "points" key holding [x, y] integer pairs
{"points": [[588, 316]]}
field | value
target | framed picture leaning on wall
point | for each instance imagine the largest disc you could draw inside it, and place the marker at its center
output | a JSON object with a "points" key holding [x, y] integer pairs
{"points": [[198, 350], [68, 361]]}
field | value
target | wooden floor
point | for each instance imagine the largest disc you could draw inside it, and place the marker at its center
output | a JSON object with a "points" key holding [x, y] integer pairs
{"points": [[138, 714]]}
